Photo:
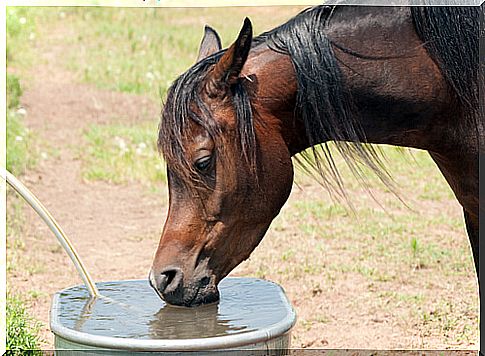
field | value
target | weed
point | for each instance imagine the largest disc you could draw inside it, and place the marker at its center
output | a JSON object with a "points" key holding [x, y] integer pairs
{"points": [[414, 246], [21, 329]]}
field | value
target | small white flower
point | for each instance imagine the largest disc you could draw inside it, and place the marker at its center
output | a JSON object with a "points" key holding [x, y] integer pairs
{"points": [[19, 138], [23, 20], [44, 155], [22, 111], [139, 151], [62, 14], [122, 145], [142, 145], [32, 36], [150, 76]]}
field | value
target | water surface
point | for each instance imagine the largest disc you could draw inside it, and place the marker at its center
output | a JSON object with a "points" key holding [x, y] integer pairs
{"points": [[131, 309]]}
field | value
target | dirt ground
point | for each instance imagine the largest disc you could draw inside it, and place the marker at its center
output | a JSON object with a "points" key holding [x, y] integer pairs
{"points": [[116, 228]]}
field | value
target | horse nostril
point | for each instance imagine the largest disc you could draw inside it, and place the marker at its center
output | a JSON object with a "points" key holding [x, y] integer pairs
{"points": [[169, 276], [204, 281], [169, 280]]}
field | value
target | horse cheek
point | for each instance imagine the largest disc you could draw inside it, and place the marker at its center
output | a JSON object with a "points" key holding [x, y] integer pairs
{"points": [[278, 174]]}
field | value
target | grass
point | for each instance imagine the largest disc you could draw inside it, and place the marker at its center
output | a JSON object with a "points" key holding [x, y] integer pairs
{"points": [[446, 319], [21, 35], [411, 241], [20, 153], [18, 136], [21, 156], [21, 31], [21, 328], [14, 91], [120, 154], [153, 46]]}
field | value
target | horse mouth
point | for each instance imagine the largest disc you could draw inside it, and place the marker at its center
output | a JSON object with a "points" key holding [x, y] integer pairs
{"points": [[202, 297], [191, 298], [202, 292]]}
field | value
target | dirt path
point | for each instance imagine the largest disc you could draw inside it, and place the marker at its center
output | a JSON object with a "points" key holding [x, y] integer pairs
{"points": [[115, 228]]}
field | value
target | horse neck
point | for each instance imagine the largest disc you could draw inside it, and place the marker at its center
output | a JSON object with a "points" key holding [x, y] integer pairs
{"points": [[399, 92], [398, 99]]}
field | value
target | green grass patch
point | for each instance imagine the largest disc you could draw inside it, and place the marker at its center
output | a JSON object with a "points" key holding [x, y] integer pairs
{"points": [[21, 154], [14, 91], [21, 34], [142, 50], [120, 154], [19, 150], [21, 328], [20, 26]]}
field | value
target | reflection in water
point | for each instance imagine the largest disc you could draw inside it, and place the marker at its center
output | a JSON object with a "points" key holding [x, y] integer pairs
{"points": [[180, 323], [131, 309], [85, 313]]}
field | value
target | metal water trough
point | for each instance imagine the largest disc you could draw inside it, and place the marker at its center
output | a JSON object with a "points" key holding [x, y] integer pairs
{"points": [[75, 335]]}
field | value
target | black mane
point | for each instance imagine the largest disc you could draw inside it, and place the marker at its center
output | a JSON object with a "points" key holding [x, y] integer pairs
{"points": [[323, 102], [451, 36]]}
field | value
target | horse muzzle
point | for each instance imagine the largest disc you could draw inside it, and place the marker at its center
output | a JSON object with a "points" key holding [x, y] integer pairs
{"points": [[171, 287]]}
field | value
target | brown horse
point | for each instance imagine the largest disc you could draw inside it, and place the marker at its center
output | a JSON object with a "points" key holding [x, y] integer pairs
{"points": [[231, 124]]}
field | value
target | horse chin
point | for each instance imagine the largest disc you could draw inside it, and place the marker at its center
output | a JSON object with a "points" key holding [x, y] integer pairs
{"points": [[193, 295]]}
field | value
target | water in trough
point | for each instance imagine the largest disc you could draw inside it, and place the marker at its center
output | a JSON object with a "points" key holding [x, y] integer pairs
{"points": [[131, 309]]}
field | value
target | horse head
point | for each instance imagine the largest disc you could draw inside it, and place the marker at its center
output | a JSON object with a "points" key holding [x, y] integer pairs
{"points": [[229, 173]]}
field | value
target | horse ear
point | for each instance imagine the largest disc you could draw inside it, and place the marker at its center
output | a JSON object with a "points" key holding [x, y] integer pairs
{"points": [[227, 70], [211, 43]]}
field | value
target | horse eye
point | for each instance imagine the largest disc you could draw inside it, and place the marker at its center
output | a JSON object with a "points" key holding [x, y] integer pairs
{"points": [[203, 164]]}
